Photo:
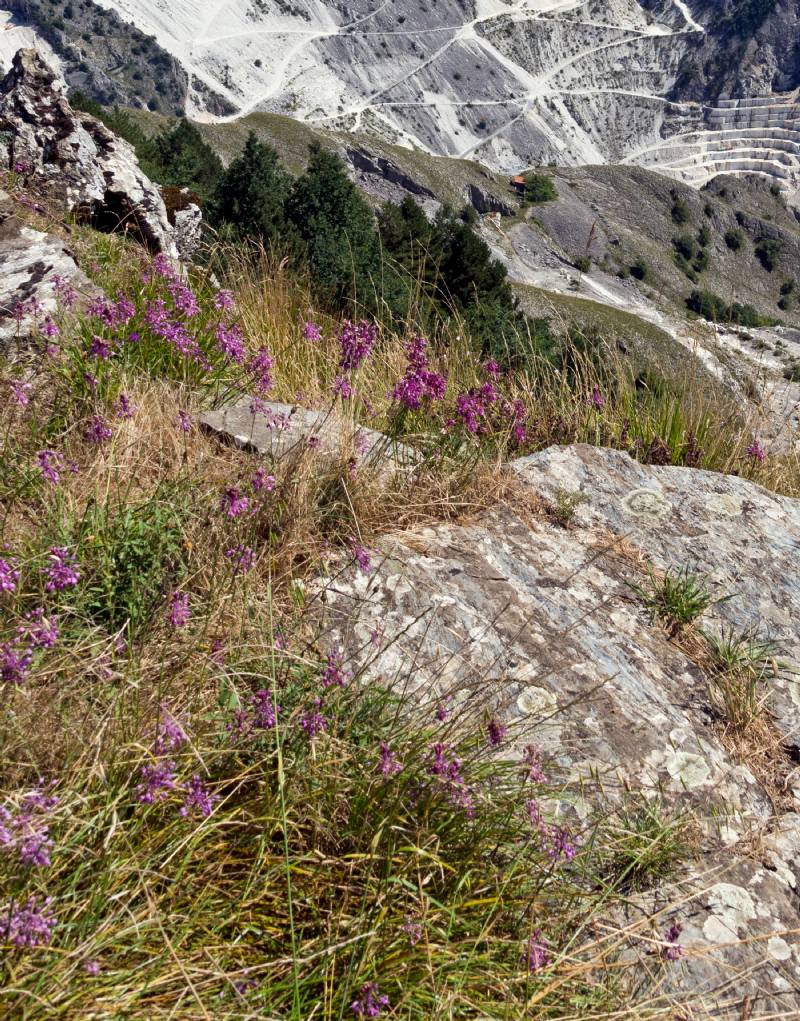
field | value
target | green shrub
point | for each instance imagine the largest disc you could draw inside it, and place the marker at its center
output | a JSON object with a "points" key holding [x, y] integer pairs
{"points": [[583, 263], [768, 251], [539, 188], [734, 238], [641, 270], [680, 211]]}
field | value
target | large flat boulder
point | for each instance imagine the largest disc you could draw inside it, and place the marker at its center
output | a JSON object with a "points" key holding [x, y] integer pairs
{"points": [[518, 616]]}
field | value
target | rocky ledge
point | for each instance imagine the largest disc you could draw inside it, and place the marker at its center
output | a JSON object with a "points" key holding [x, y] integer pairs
{"points": [[533, 614], [75, 159]]}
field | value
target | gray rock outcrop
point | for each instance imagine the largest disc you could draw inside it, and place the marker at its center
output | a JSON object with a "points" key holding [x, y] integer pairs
{"points": [[540, 623], [76, 159], [274, 430], [32, 262]]}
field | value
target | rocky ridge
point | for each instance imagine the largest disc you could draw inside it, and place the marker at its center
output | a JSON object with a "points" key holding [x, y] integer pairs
{"points": [[511, 82]]}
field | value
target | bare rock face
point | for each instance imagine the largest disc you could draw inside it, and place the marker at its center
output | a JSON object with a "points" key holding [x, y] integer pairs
{"points": [[540, 623], [32, 263], [274, 430], [76, 158]]}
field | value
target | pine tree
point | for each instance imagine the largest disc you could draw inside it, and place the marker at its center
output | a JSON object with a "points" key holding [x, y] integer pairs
{"points": [[251, 195], [334, 228], [179, 157]]}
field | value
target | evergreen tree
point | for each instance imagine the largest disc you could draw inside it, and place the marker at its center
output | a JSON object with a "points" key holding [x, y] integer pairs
{"points": [[334, 229], [251, 195], [179, 157]]}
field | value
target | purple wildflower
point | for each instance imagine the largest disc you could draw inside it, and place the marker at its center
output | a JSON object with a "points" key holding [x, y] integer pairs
{"points": [[313, 722], [38, 631], [29, 925], [362, 556], [673, 950], [19, 392], [371, 1002], [231, 342], [756, 452], [49, 329], [413, 930], [596, 399], [14, 663], [242, 557], [342, 387], [497, 732], [312, 332], [50, 463], [171, 734], [66, 295], [233, 503], [90, 380], [198, 799], [532, 759], [537, 955], [562, 844], [185, 421], [179, 612], [62, 572], [223, 300], [9, 574], [264, 711], [91, 967], [418, 384], [156, 781], [356, 342], [334, 674], [448, 771], [262, 481], [260, 367], [184, 299], [389, 764], [98, 430], [100, 349], [124, 407]]}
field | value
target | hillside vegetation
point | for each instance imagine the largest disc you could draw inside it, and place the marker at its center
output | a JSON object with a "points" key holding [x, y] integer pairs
{"points": [[203, 812]]}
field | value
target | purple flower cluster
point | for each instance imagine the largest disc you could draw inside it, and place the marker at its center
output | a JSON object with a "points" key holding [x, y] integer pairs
{"points": [[418, 384], [532, 760], [25, 831], [537, 955], [261, 480], [262, 715], [233, 502], [334, 673], [557, 840], [673, 949], [313, 722], [756, 452], [389, 764], [260, 367], [198, 800], [450, 776], [356, 341], [362, 556], [371, 1002], [497, 732], [66, 295], [312, 332], [158, 779], [62, 572], [9, 574], [27, 925], [230, 340], [51, 464], [98, 430], [243, 558], [179, 611]]}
